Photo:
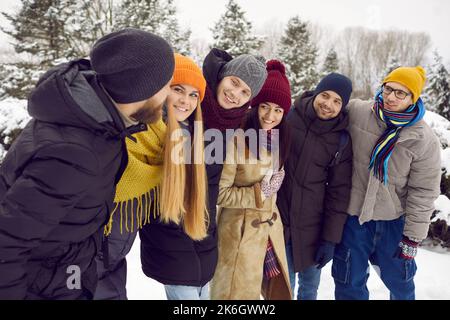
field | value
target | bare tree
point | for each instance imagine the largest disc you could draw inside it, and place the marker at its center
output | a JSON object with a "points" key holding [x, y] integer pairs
{"points": [[365, 54]]}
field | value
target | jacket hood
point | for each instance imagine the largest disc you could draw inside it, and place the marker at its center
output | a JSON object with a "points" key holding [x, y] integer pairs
{"points": [[69, 94], [213, 64], [303, 109]]}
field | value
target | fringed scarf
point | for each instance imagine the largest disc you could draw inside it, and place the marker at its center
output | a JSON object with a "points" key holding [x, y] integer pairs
{"points": [[140, 183], [395, 122], [216, 117]]}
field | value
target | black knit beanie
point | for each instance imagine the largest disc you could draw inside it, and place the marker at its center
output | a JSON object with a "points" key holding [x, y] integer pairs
{"points": [[132, 64], [338, 83]]}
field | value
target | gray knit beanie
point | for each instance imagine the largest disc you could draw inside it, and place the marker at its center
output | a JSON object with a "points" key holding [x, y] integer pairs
{"points": [[251, 69], [132, 64]]}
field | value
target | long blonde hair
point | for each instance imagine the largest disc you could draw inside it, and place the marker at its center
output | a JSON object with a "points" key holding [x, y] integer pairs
{"points": [[184, 185]]}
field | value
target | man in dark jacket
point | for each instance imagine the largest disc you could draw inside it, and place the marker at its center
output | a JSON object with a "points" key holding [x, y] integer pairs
{"points": [[57, 181], [315, 192]]}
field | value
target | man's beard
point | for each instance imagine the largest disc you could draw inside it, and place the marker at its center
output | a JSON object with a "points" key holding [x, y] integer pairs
{"points": [[148, 113]]}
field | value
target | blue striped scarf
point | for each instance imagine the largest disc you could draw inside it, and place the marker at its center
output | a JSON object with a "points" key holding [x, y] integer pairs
{"points": [[395, 122]]}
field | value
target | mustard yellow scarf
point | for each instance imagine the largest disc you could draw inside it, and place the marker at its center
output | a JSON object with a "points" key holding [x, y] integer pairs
{"points": [[141, 178]]}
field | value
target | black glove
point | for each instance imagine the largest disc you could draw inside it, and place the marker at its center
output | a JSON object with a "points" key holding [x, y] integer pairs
{"points": [[324, 253]]}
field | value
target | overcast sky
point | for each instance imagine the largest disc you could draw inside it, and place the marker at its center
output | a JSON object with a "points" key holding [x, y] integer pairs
{"points": [[432, 16]]}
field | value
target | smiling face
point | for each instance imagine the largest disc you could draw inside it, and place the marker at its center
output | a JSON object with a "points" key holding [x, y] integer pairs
{"points": [[232, 92], [269, 115], [327, 105], [391, 102], [183, 98]]}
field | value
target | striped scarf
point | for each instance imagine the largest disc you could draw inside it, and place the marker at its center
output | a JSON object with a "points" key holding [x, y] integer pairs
{"points": [[395, 122]]}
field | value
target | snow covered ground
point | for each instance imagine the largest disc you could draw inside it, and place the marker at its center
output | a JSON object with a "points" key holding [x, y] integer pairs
{"points": [[432, 279]]}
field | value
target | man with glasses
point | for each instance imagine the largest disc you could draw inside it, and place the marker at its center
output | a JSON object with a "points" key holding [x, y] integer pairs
{"points": [[396, 176]]}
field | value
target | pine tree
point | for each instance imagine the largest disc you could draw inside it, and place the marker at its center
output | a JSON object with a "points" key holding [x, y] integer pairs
{"points": [[299, 54], [147, 15], [233, 32], [38, 29], [156, 16], [438, 89], [330, 63], [90, 20], [179, 40]]}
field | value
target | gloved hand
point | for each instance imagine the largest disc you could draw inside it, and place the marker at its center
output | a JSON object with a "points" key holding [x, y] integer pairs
{"points": [[324, 253], [407, 249], [271, 183]]}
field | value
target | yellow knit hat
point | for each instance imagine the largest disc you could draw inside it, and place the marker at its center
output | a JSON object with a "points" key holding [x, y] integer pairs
{"points": [[411, 77], [187, 72]]}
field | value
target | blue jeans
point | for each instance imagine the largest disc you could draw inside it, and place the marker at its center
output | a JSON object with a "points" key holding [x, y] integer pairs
{"points": [[377, 242], [175, 292], [308, 279]]}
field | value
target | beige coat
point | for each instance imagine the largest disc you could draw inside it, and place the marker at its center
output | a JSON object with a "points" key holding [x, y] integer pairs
{"points": [[414, 171], [242, 240]]}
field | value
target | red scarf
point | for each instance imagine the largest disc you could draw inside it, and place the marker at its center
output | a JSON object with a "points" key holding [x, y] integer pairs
{"points": [[216, 117]]}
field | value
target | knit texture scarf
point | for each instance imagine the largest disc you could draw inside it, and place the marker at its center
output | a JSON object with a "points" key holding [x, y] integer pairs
{"points": [[141, 179], [216, 117], [395, 122]]}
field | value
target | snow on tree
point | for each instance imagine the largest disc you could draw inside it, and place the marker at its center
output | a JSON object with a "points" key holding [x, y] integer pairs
{"points": [[90, 20], [155, 16], [437, 92], [299, 54], [39, 33], [233, 32], [392, 64], [331, 63], [18, 79], [38, 29], [13, 118]]}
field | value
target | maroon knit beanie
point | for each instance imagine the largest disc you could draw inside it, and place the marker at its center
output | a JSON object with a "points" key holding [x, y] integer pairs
{"points": [[276, 89]]}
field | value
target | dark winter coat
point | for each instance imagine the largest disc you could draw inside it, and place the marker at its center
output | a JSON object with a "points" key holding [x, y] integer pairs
{"points": [[57, 184], [314, 196], [171, 257]]}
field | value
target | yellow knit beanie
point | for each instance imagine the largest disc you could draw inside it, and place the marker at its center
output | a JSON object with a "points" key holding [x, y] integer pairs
{"points": [[187, 72], [411, 77]]}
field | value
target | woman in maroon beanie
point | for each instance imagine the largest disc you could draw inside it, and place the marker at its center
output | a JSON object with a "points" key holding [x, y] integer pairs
{"points": [[252, 258]]}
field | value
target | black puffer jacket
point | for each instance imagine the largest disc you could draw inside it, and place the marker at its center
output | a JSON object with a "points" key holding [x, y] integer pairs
{"points": [[314, 196], [170, 256], [57, 186]]}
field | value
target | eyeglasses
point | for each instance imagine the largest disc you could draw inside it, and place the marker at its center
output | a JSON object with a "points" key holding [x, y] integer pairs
{"points": [[399, 94]]}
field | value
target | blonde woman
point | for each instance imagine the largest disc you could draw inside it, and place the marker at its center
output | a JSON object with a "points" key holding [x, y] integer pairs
{"points": [[178, 218], [160, 194]]}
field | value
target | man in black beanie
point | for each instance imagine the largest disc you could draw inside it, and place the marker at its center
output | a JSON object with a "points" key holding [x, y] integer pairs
{"points": [[57, 181], [316, 190]]}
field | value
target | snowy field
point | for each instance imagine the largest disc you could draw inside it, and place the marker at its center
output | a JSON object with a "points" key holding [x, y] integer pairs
{"points": [[432, 279], [433, 276]]}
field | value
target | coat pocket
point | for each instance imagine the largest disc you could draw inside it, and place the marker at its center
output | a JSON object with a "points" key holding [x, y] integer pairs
{"points": [[340, 269]]}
